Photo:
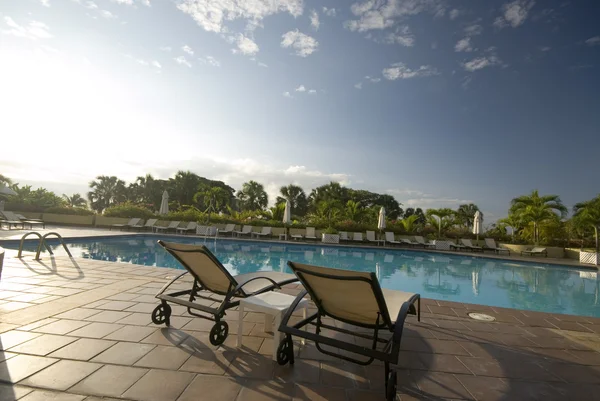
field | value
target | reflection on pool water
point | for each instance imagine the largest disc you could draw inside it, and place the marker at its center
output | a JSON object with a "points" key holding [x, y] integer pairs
{"points": [[529, 286]]}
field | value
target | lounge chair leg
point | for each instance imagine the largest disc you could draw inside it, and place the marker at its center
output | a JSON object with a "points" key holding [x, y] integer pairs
{"points": [[162, 314], [219, 332]]}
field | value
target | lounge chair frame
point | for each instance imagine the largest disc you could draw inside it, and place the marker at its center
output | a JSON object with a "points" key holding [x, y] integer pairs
{"points": [[533, 252], [389, 355], [219, 331]]}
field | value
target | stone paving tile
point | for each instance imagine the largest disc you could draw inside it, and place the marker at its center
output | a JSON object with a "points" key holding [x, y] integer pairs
{"points": [[166, 336], [14, 337], [107, 316], [4, 355], [308, 392], [96, 330], [64, 291], [131, 333], [208, 362], [443, 385], [484, 388], [160, 385], [164, 357], [9, 392], [37, 324], [255, 390], [83, 349], [207, 388], [27, 297], [43, 395], [13, 306], [252, 366], [142, 308], [61, 326], [115, 305], [109, 380], [122, 297], [16, 369], [138, 319], [124, 353], [77, 314], [43, 345], [61, 375]]}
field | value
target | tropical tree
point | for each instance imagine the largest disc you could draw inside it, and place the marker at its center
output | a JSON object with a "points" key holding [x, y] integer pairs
{"points": [[418, 211], [183, 187], [333, 191], [327, 213], [276, 212], [213, 199], [465, 214], [354, 211], [440, 219], [106, 191], [587, 215], [75, 200], [410, 223], [536, 209], [297, 198], [39, 197], [252, 196], [515, 222]]}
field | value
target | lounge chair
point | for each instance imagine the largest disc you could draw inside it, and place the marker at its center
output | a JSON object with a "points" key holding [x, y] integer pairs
{"points": [[132, 222], [191, 226], [211, 278], [344, 236], [246, 230], [11, 222], [389, 237], [457, 246], [357, 237], [408, 242], [490, 245], [419, 239], [369, 307], [310, 233], [535, 251], [20, 219], [297, 236], [172, 226], [229, 228], [469, 245], [371, 238], [150, 224], [266, 231]]}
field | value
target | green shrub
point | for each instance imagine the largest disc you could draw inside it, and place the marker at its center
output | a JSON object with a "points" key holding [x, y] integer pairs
{"points": [[186, 215], [79, 211], [23, 207], [330, 230], [128, 210]]}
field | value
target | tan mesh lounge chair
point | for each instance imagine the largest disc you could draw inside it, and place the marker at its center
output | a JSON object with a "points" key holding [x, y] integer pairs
{"points": [[11, 222], [422, 241], [353, 298], [172, 226], [490, 245], [536, 251], [457, 246], [20, 219], [469, 245], [310, 233], [212, 283], [150, 224], [229, 229], [409, 242], [246, 230], [139, 225], [357, 237], [191, 226], [371, 238], [132, 222], [266, 231], [389, 237], [344, 236]]}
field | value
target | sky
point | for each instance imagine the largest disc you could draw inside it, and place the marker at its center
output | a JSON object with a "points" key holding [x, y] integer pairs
{"points": [[436, 102]]}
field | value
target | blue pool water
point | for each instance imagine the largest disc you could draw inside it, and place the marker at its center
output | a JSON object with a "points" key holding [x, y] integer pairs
{"points": [[529, 286]]}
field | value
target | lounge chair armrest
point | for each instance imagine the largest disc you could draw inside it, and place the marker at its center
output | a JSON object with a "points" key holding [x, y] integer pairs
{"points": [[163, 289], [399, 324], [239, 287], [292, 308]]}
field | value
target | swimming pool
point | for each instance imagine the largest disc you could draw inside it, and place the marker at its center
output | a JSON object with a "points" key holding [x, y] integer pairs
{"points": [[494, 282]]}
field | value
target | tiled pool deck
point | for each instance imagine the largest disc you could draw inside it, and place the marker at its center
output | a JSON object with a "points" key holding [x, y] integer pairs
{"points": [[80, 330]]}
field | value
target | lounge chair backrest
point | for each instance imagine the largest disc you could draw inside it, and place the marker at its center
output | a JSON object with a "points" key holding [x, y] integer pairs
{"points": [[371, 235], [10, 215], [330, 289], [389, 236], [202, 265], [357, 236], [134, 221], [229, 227], [419, 239], [343, 235], [538, 249], [150, 222], [247, 229], [466, 242], [174, 224], [266, 230], [191, 225], [490, 243], [310, 231]]}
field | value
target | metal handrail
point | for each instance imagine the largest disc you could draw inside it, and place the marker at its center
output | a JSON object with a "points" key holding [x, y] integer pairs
{"points": [[41, 242], [62, 242]]}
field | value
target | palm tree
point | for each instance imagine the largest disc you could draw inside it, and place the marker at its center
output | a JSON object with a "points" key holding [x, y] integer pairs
{"points": [[409, 224], [213, 198], [252, 196], [537, 209], [333, 191], [76, 200], [354, 211], [587, 214], [466, 213], [297, 198], [106, 191], [440, 218], [515, 222], [183, 187]]}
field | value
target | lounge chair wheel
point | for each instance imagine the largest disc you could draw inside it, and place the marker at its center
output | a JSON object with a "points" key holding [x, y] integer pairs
{"points": [[161, 314], [390, 391], [285, 352], [218, 333]]}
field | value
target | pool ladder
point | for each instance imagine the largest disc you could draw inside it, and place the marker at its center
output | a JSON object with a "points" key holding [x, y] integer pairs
{"points": [[43, 243]]}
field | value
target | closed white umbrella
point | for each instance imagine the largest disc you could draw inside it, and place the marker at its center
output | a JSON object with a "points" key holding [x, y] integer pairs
{"points": [[287, 216], [381, 220], [164, 204], [7, 191], [478, 224]]}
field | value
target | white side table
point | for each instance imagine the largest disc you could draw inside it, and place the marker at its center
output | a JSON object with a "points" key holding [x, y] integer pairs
{"points": [[273, 305]]}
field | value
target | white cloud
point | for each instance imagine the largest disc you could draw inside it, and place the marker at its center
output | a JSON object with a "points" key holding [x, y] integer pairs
{"points": [[301, 88], [34, 30], [262, 65], [514, 13], [401, 71], [593, 41], [463, 45], [303, 44], [358, 85], [454, 14], [212, 14], [181, 60], [314, 20], [548, 48], [403, 36], [479, 63], [312, 92], [372, 79], [107, 14], [287, 94], [473, 30], [245, 45], [188, 50], [166, 48], [91, 5], [382, 14], [330, 12], [210, 60], [156, 64], [45, 3]]}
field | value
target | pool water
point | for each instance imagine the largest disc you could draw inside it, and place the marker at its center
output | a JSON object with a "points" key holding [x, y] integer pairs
{"points": [[522, 285]]}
